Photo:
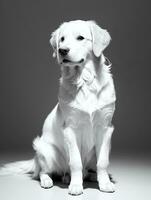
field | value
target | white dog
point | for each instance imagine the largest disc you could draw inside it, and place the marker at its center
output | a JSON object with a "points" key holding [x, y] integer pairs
{"points": [[77, 133]]}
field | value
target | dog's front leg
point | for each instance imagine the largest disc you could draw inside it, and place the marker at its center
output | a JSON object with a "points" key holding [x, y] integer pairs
{"points": [[103, 140], [75, 163]]}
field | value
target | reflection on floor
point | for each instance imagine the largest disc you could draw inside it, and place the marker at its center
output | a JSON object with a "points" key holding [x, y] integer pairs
{"points": [[132, 176]]}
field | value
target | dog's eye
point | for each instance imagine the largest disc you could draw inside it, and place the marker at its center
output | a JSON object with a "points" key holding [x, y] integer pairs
{"points": [[80, 37], [62, 39]]}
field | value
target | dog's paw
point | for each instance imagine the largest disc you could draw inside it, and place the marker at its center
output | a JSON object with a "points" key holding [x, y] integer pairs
{"points": [[75, 189], [46, 182], [107, 187]]}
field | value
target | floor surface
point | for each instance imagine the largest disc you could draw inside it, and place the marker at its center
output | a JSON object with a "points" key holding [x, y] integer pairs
{"points": [[132, 176]]}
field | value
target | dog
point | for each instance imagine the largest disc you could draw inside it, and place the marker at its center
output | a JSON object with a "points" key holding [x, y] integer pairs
{"points": [[76, 135]]}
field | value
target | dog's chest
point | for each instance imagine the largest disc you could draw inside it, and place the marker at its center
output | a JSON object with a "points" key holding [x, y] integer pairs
{"points": [[86, 103], [87, 99]]}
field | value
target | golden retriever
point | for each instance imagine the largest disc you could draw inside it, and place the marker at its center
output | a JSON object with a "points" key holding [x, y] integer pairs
{"points": [[77, 133]]}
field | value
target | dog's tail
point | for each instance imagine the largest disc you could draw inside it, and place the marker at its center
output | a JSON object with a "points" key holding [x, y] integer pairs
{"points": [[19, 167]]}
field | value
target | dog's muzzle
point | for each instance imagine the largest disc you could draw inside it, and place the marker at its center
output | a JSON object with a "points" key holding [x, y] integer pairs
{"points": [[73, 62]]}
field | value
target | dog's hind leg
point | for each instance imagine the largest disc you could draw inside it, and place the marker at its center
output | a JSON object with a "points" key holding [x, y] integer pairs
{"points": [[46, 157], [45, 179]]}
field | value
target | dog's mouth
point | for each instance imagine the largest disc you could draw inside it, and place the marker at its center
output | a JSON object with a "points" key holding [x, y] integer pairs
{"points": [[72, 62]]}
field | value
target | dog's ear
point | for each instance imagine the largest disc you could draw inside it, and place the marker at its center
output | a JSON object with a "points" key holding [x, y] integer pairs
{"points": [[100, 38], [54, 42]]}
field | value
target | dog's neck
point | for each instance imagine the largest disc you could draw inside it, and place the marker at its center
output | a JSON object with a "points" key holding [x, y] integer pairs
{"points": [[73, 78], [91, 75]]}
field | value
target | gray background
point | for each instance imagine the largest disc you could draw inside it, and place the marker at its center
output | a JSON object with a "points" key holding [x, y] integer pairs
{"points": [[29, 75]]}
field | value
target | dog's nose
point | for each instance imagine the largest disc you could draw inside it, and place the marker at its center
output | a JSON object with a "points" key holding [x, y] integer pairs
{"points": [[64, 52]]}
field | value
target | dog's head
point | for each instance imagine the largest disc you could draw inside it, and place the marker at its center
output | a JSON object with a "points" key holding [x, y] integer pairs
{"points": [[75, 41]]}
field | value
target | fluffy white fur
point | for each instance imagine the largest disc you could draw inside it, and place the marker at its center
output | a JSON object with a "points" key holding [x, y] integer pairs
{"points": [[77, 133]]}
